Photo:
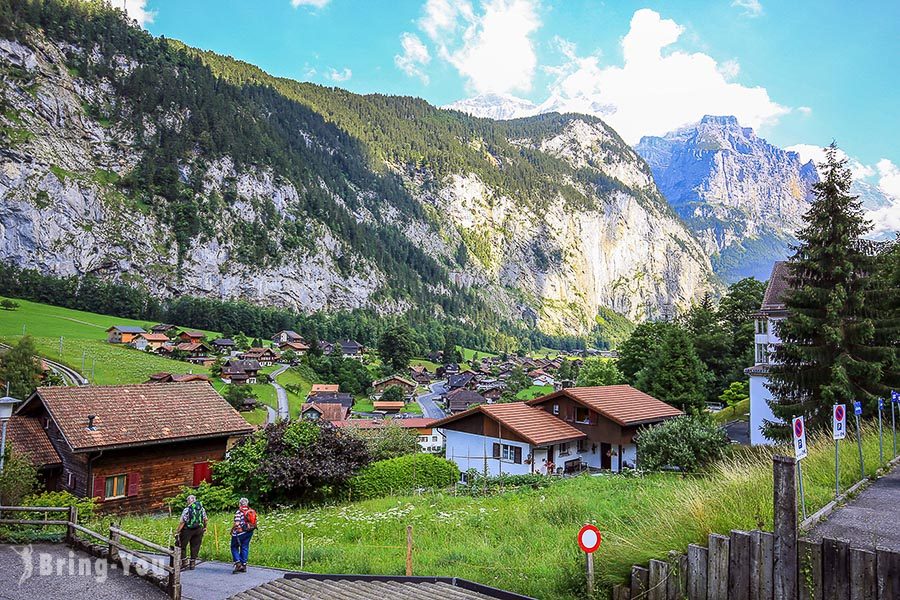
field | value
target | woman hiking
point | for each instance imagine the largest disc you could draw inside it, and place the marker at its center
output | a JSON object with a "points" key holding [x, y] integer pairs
{"points": [[241, 532], [190, 531]]}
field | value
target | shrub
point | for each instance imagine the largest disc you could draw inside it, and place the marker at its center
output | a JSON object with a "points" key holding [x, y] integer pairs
{"points": [[85, 506], [212, 497], [479, 485], [18, 479], [403, 474], [389, 441], [689, 443]]}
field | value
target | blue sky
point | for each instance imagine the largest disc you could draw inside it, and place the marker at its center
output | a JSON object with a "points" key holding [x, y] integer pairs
{"points": [[800, 72]]}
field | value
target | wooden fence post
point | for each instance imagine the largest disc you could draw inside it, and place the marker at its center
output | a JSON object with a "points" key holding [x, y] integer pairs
{"points": [[739, 566], [409, 549], [677, 585], [113, 553], [785, 507], [717, 572], [621, 592], [640, 582], [658, 576], [835, 569], [697, 559], [862, 574], [888, 574], [175, 576], [70, 531], [810, 561]]}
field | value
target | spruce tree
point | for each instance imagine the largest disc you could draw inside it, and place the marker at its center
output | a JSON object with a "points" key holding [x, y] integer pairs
{"points": [[829, 353], [675, 374]]}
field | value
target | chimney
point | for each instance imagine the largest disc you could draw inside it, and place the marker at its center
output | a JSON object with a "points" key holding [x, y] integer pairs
{"points": [[91, 423]]}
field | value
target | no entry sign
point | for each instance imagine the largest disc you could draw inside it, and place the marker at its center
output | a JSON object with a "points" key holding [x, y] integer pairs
{"points": [[839, 422], [799, 438], [589, 538]]}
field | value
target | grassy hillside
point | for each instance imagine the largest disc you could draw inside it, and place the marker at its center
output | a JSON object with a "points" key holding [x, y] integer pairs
{"points": [[84, 335], [525, 541]]}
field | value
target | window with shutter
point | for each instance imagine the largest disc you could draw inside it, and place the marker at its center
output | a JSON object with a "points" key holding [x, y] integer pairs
{"points": [[518, 456], [201, 473], [496, 450], [99, 488], [134, 483]]}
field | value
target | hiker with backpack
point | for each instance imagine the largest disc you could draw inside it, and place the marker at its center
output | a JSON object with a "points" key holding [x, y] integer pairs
{"points": [[190, 531], [241, 532]]}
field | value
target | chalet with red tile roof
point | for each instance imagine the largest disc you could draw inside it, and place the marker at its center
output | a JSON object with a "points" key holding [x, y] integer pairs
{"points": [[327, 411], [460, 400], [191, 337], [150, 342], [388, 406], [26, 437], [406, 385], [132, 446], [512, 438], [297, 347], [610, 417], [264, 356]]}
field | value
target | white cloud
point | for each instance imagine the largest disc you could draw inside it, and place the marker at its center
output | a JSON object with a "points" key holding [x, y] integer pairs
{"points": [[730, 69], [311, 3], [752, 8], [137, 10], [339, 76], [654, 91], [415, 56], [811, 152], [493, 51], [888, 177], [804, 110]]}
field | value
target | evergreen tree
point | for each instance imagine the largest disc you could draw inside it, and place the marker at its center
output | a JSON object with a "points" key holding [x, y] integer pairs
{"points": [[20, 369], [675, 374], [598, 371], [636, 351], [451, 352], [829, 352], [395, 347]]}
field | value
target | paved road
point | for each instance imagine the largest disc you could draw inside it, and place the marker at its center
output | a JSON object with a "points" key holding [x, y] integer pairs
{"points": [[215, 581], [738, 432], [870, 519], [426, 401], [283, 406], [271, 414], [70, 376], [24, 579]]}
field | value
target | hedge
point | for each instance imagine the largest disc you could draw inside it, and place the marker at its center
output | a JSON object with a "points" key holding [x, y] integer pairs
{"points": [[402, 475]]}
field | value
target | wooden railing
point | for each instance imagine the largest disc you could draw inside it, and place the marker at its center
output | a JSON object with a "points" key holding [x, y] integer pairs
{"points": [[111, 548]]}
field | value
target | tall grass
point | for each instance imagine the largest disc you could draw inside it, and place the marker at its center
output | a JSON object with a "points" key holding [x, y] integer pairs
{"points": [[525, 540]]}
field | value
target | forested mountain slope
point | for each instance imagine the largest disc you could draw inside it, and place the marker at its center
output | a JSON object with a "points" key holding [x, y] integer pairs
{"points": [[142, 160]]}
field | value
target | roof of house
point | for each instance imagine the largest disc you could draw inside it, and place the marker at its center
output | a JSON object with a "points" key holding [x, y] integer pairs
{"points": [[620, 403], [330, 411], [126, 329], [460, 380], [162, 327], [192, 333], [341, 398], [350, 344], [259, 352], [223, 342], [164, 377], [779, 284], [323, 387], [536, 426], [135, 415], [388, 405], [155, 337], [402, 380], [192, 346], [289, 333], [242, 365], [460, 399], [407, 423], [293, 346], [295, 586], [27, 436]]}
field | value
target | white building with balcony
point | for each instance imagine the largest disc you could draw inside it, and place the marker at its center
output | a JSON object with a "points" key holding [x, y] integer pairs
{"points": [[766, 340]]}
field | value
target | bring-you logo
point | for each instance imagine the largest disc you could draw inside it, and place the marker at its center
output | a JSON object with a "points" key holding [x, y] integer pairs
{"points": [[46, 564]]}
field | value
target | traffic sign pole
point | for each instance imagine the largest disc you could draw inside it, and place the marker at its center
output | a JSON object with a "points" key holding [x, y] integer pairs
{"points": [[857, 408], [837, 469], [589, 540], [838, 432], [800, 451], [894, 423], [880, 437]]}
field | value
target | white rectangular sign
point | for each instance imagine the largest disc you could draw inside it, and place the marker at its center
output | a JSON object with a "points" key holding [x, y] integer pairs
{"points": [[839, 422], [798, 429]]}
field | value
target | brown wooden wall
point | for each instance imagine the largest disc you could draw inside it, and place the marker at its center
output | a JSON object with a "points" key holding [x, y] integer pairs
{"points": [[601, 428], [480, 424], [163, 469]]}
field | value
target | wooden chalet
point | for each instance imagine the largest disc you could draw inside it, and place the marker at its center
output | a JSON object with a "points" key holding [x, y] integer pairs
{"points": [[130, 446], [326, 411], [286, 335], [150, 342], [163, 328], [164, 377], [223, 345], [461, 399], [239, 371], [388, 406], [264, 356], [191, 337], [420, 374], [610, 417], [123, 334], [378, 387], [460, 381]]}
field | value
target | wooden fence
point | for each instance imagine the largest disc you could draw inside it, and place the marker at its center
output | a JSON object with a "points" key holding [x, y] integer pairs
{"points": [[758, 565], [162, 568]]}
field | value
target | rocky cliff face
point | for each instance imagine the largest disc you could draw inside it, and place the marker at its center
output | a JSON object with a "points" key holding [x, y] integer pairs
{"points": [[65, 210], [743, 197]]}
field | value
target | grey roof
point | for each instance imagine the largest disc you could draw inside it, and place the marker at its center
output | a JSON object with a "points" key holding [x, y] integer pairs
{"points": [[128, 329], [369, 587]]}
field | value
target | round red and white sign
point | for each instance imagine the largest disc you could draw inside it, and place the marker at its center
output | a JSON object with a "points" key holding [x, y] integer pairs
{"points": [[589, 538], [839, 412], [798, 428]]}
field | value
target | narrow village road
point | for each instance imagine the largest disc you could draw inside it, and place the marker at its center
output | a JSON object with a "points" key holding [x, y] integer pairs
{"points": [[869, 520], [271, 414], [426, 401], [283, 406]]}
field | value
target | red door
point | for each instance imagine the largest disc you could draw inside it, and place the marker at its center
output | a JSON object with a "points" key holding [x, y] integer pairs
{"points": [[201, 473]]}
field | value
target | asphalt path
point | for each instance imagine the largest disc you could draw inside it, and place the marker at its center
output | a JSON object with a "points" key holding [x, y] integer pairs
{"points": [[283, 406], [869, 520], [426, 401]]}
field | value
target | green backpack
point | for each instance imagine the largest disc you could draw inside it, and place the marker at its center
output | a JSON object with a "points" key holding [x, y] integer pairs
{"points": [[195, 516]]}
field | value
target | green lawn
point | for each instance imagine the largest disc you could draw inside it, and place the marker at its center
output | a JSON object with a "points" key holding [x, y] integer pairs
{"points": [[469, 354], [412, 407], [739, 412], [256, 416], [363, 404], [534, 391], [422, 362], [525, 541]]}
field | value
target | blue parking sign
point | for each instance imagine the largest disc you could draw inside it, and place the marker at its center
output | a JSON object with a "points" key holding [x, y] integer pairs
{"points": [[857, 408], [895, 396], [880, 404]]}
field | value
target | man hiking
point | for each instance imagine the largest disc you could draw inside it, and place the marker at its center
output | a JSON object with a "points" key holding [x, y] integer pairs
{"points": [[241, 532], [190, 531]]}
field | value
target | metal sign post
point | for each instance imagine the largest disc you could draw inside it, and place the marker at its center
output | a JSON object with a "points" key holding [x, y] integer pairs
{"points": [[895, 398], [857, 410], [838, 432], [799, 431], [880, 436], [589, 540]]}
